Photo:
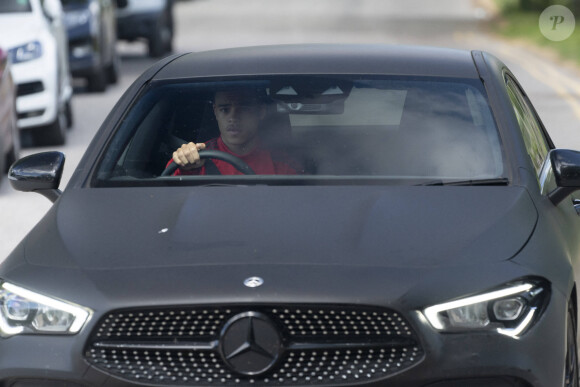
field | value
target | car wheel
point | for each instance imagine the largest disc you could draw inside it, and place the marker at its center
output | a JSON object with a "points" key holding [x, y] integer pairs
{"points": [[7, 159], [571, 368], [11, 157], [55, 133], [14, 152], [113, 70], [2, 168], [160, 42], [69, 115], [97, 81]]}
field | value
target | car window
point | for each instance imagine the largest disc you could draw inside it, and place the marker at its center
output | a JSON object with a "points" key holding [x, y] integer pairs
{"points": [[12, 6], [536, 144], [396, 130]]}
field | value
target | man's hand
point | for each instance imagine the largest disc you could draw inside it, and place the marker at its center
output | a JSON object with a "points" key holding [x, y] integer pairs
{"points": [[187, 157]]}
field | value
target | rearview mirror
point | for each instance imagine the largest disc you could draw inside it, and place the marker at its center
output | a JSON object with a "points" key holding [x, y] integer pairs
{"points": [[39, 173], [566, 167], [318, 96]]}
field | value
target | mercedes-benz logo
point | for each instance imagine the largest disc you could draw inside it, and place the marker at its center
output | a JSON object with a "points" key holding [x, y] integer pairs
{"points": [[253, 282], [250, 343]]}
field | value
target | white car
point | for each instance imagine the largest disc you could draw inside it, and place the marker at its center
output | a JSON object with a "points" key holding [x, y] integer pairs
{"points": [[34, 33]]}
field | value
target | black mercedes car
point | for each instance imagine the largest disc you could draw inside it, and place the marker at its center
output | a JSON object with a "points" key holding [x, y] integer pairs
{"points": [[423, 231]]}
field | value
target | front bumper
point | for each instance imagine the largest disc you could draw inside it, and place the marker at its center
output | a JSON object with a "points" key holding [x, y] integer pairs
{"points": [[442, 360], [37, 102], [84, 50], [84, 65], [132, 27]]}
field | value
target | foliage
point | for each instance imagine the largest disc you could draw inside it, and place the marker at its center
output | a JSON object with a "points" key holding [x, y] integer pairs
{"points": [[519, 20]]}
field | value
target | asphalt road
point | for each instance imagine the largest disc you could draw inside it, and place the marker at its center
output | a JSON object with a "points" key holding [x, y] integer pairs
{"points": [[554, 87]]}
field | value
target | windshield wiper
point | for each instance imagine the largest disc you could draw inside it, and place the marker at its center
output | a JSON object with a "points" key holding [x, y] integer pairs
{"points": [[494, 181]]}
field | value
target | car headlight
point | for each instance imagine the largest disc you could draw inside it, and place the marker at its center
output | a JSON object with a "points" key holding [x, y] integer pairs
{"points": [[509, 310], [25, 312], [26, 52]]}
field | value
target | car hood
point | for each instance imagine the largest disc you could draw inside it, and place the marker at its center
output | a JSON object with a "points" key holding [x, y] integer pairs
{"points": [[142, 228], [21, 28]]}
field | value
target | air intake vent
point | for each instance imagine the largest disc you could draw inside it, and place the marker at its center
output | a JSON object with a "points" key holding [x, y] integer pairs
{"points": [[30, 88]]}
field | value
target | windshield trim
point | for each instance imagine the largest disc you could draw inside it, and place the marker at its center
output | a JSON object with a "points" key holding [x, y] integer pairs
{"points": [[465, 182], [292, 180]]}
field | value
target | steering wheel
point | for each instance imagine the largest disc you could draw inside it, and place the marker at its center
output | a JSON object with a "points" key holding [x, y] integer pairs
{"points": [[238, 163]]}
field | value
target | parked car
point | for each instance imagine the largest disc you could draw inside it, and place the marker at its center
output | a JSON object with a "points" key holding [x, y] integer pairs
{"points": [[9, 135], [92, 38], [429, 235], [149, 20], [34, 34]]}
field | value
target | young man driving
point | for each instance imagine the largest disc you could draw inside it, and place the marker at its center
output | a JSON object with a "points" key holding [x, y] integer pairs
{"points": [[239, 114]]}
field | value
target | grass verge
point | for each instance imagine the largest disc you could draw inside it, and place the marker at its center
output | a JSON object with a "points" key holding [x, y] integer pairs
{"points": [[512, 23]]}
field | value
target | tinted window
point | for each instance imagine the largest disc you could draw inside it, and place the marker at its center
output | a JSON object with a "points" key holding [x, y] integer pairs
{"points": [[536, 144], [398, 130], [9, 6]]}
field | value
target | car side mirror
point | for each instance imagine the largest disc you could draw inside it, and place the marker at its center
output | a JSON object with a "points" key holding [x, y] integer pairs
{"points": [[52, 9], [566, 167], [40, 172], [122, 3]]}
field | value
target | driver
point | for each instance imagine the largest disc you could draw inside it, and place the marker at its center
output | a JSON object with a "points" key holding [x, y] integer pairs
{"points": [[238, 114]]}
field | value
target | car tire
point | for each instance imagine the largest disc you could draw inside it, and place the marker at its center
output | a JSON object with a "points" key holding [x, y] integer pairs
{"points": [[69, 115], [160, 42], [14, 153], [11, 157], [113, 70], [3, 168], [571, 367], [97, 81], [55, 133]]}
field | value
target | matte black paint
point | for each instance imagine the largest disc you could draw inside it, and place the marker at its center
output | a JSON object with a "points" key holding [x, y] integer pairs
{"points": [[399, 247]]}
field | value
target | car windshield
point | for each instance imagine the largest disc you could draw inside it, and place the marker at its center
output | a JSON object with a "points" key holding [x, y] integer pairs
{"points": [[13, 6], [343, 129]]}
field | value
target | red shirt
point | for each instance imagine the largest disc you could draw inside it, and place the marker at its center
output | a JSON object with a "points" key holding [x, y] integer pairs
{"points": [[259, 159]]}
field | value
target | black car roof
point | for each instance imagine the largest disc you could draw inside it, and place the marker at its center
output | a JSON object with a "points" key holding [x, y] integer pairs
{"points": [[322, 59]]}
